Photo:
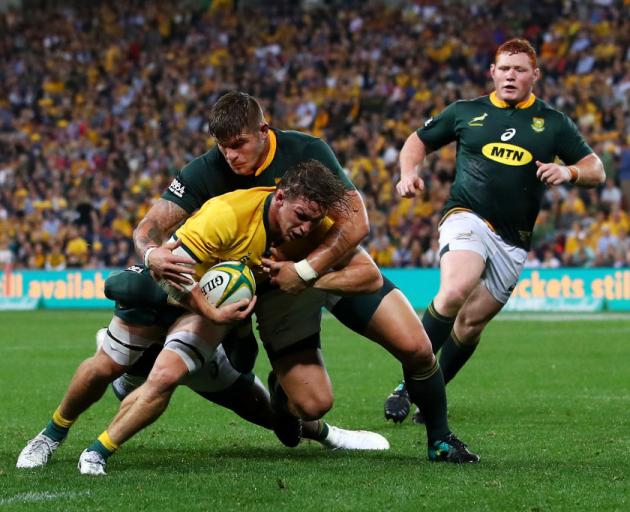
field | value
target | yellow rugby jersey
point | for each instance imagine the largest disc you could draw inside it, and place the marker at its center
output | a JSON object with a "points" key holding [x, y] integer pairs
{"points": [[234, 226]]}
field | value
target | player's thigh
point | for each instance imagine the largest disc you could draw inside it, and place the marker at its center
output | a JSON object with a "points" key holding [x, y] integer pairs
{"points": [[194, 339], [286, 320], [396, 326], [463, 254], [125, 343], [356, 311], [503, 268]]}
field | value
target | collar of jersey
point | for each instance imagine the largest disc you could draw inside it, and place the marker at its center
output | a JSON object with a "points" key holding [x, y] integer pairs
{"points": [[270, 155], [494, 99]]}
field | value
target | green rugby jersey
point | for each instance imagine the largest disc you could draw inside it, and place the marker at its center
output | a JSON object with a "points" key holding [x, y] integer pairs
{"points": [[209, 175], [497, 149]]}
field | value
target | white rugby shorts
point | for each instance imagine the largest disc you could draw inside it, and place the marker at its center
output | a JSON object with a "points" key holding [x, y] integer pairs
{"points": [[124, 347], [215, 375], [504, 262]]}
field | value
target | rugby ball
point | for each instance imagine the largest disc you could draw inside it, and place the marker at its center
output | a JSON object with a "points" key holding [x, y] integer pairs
{"points": [[228, 282]]}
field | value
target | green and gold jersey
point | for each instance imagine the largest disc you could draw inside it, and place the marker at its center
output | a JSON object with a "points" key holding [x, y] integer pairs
{"points": [[235, 226], [209, 175], [497, 150]]}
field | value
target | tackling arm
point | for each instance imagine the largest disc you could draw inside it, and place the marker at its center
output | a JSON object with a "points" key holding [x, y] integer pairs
{"points": [[344, 236], [359, 274], [158, 224]]}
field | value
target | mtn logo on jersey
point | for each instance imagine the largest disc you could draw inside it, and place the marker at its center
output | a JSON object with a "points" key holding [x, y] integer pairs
{"points": [[508, 154], [177, 188]]}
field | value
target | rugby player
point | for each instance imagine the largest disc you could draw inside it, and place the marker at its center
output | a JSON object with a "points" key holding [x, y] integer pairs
{"points": [[251, 153], [507, 144], [242, 225], [143, 318]]}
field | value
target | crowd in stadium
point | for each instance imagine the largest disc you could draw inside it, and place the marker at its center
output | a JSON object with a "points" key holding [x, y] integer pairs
{"points": [[102, 102]]}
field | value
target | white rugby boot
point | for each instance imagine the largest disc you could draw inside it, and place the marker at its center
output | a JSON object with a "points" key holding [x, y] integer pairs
{"points": [[340, 439], [92, 463], [37, 452]]}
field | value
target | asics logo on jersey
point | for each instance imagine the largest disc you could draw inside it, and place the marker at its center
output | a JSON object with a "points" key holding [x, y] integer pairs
{"points": [[508, 154], [508, 134], [428, 121], [177, 188], [478, 121]]}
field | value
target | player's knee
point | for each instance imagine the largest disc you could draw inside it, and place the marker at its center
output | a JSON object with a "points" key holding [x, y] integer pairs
{"points": [[453, 298], [162, 380], [312, 406], [101, 368], [418, 359]]}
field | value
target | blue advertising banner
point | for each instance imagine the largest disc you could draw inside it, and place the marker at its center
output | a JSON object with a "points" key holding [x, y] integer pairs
{"points": [[563, 289], [62, 289], [581, 289]]}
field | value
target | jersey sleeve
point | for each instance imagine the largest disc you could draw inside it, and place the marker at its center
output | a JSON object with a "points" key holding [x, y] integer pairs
{"points": [[208, 231], [185, 187], [571, 145], [439, 131], [320, 151]]}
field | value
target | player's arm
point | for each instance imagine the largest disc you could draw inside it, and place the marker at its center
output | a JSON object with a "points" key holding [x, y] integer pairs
{"points": [[435, 133], [158, 225], [586, 172], [410, 159], [343, 237], [358, 274], [349, 229]]}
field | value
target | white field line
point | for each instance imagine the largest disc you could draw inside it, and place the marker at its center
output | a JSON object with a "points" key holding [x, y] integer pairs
{"points": [[33, 497]]}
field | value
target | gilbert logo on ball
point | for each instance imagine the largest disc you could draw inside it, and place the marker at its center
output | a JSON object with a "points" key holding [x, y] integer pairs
{"points": [[228, 282]]}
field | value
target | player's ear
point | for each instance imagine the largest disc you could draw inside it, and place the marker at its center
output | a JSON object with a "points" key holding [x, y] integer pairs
{"points": [[536, 74], [264, 129], [279, 195]]}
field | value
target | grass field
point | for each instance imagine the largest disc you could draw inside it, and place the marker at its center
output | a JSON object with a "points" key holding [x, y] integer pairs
{"points": [[545, 402]]}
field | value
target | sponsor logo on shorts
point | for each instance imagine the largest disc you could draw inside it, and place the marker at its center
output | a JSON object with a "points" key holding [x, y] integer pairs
{"points": [[135, 268], [177, 188], [464, 236], [507, 154], [428, 122]]}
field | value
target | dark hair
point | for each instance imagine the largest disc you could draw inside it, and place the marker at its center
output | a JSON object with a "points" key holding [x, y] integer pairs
{"points": [[233, 113], [315, 182], [514, 46]]}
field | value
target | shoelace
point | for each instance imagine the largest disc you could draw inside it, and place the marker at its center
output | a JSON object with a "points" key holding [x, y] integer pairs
{"points": [[452, 440]]}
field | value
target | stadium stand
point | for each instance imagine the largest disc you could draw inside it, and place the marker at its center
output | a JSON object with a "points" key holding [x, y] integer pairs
{"points": [[101, 103]]}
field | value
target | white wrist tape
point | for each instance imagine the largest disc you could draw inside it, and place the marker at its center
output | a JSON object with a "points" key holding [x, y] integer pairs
{"points": [[305, 271], [146, 255]]}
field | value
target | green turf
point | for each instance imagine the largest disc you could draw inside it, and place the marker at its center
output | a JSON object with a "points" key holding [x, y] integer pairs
{"points": [[544, 402]]}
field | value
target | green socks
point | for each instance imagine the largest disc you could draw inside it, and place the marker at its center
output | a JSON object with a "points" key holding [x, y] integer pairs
{"points": [[438, 327]]}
